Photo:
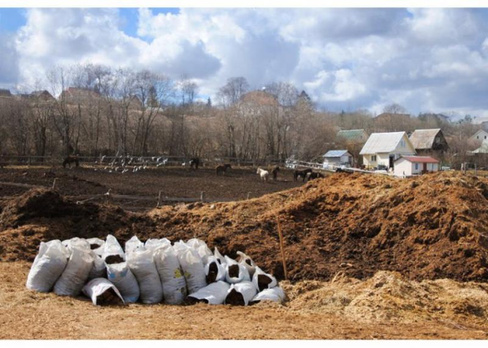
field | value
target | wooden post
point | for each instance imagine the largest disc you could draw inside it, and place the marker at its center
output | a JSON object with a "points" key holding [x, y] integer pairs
{"points": [[202, 196], [54, 183], [282, 247], [159, 199], [248, 195]]}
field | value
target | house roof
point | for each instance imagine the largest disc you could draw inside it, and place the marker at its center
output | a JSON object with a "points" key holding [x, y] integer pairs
{"points": [[352, 134], [483, 148], [382, 142], [336, 153], [419, 159], [424, 138]]}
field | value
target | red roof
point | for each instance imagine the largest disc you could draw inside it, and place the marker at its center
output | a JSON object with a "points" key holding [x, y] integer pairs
{"points": [[420, 159]]}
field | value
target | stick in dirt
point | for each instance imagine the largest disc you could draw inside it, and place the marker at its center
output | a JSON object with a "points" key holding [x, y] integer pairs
{"points": [[281, 247]]}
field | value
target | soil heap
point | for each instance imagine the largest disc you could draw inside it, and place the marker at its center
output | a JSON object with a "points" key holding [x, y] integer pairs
{"points": [[428, 227]]}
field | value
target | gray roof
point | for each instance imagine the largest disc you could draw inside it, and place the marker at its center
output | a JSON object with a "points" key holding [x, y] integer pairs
{"points": [[336, 153], [424, 138], [382, 142]]}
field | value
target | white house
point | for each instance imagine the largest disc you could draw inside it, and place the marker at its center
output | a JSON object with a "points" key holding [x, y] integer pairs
{"points": [[415, 165], [382, 149], [480, 135], [337, 158]]}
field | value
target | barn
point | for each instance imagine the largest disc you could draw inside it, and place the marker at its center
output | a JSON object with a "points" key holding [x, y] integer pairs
{"points": [[415, 165]]}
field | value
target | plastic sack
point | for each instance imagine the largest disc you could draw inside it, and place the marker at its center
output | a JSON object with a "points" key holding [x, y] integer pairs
{"points": [[219, 257], [75, 274], [48, 266], [235, 272], [214, 271], [101, 291], [214, 293], [153, 244], [263, 280], [201, 248], [172, 279], [241, 294], [192, 267], [96, 244], [132, 245], [98, 269], [275, 294], [121, 276], [112, 251], [76, 242], [247, 262], [142, 265]]}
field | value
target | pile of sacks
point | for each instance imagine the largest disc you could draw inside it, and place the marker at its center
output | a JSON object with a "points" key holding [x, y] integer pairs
{"points": [[151, 272]]}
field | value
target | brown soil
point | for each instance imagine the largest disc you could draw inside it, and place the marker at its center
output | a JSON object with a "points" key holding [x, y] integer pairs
{"points": [[360, 249]]}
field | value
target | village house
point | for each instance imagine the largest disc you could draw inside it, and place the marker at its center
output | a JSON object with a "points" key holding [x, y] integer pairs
{"points": [[479, 136], [382, 149], [415, 165], [337, 158], [429, 142]]}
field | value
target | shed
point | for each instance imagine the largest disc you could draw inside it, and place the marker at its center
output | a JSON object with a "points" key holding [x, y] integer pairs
{"points": [[337, 158], [415, 165], [428, 140], [382, 149]]}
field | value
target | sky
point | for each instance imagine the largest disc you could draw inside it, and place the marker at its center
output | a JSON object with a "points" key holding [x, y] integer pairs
{"points": [[425, 59]]}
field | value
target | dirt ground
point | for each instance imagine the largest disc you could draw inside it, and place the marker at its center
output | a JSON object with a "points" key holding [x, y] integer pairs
{"points": [[367, 257]]}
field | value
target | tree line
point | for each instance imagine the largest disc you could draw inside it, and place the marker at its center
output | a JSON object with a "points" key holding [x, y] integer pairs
{"points": [[93, 110]]}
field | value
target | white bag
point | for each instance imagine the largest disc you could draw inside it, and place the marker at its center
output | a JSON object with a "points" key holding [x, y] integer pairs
{"points": [[247, 262], [132, 245], [241, 294], [48, 266], [219, 257], [76, 242], [263, 280], [121, 276], [96, 287], [142, 265], [96, 244], [98, 269], [275, 294], [214, 293], [153, 244], [201, 247], [192, 267], [112, 248], [75, 274], [214, 271], [172, 279], [235, 272]]}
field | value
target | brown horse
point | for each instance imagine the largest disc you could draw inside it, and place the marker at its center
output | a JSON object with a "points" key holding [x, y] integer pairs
{"points": [[222, 168], [274, 172], [301, 173], [194, 163], [314, 175], [71, 159]]}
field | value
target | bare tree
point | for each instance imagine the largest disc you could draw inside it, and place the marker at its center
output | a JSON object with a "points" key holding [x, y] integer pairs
{"points": [[233, 90]]}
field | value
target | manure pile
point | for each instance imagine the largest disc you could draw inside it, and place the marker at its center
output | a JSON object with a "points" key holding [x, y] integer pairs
{"points": [[428, 227]]}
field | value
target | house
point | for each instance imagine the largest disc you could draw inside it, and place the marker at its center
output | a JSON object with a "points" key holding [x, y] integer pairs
{"points": [[353, 135], [337, 158], [382, 149], [415, 165], [78, 95], [428, 141], [483, 148], [479, 136]]}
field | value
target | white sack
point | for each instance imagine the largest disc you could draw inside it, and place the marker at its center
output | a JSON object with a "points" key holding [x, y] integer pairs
{"points": [[96, 244], [76, 242], [96, 287], [247, 262], [142, 265], [214, 293], [132, 245], [172, 279], [121, 276], [241, 294], [98, 269], [275, 294], [192, 267], [214, 271], [235, 272], [219, 257], [112, 248], [153, 244], [201, 248], [75, 274], [48, 266], [263, 280]]}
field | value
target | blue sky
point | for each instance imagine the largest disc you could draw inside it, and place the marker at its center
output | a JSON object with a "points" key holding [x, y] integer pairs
{"points": [[426, 59]]}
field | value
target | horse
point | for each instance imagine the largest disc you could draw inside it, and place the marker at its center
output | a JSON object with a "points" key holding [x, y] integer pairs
{"points": [[274, 172], [222, 168], [314, 175], [71, 159], [194, 163], [302, 173], [264, 174]]}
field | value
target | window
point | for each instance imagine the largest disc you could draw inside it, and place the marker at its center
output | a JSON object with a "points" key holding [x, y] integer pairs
{"points": [[416, 166], [373, 158], [402, 143]]}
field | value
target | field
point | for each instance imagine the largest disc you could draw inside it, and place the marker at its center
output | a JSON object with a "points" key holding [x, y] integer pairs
{"points": [[367, 257]]}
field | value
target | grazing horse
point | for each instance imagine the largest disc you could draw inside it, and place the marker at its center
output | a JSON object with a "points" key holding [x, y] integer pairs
{"points": [[264, 174], [71, 159], [302, 173], [222, 168], [314, 175], [194, 163], [274, 172]]}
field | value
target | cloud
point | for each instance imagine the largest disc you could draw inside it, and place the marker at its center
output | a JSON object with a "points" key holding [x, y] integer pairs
{"points": [[9, 68]]}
